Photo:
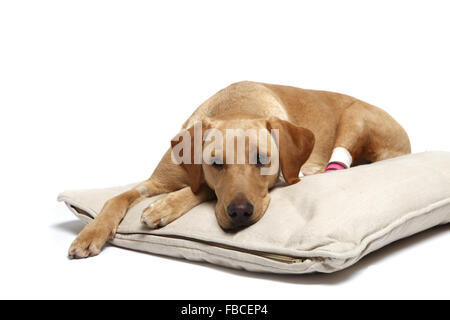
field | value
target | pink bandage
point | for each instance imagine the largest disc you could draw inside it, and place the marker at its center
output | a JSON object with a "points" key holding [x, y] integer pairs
{"points": [[335, 165]]}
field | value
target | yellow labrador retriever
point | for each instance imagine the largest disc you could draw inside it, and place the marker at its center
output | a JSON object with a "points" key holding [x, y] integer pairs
{"points": [[299, 132]]}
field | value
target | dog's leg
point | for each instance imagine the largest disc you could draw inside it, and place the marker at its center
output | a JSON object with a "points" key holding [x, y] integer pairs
{"points": [[167, 177], [367, 134], [319, 158], [172, 206], [92, 238]]}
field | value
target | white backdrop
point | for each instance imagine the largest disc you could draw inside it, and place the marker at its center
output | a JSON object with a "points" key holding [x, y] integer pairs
{"points": [[92, 91]]}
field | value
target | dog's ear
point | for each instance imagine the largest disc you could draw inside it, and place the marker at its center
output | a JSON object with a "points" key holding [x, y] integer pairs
{"points": [[187, 149], [295, 145]]}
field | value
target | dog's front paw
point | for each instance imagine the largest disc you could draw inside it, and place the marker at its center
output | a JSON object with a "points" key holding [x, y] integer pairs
{"points": [[160, 213], [90, 241], [310, 169]]}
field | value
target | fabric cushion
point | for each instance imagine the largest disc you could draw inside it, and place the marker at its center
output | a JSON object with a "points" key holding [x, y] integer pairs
{"points": [[324, 223]]}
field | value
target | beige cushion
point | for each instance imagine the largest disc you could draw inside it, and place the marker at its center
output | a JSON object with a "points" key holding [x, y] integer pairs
{"points": [[324, 223]]}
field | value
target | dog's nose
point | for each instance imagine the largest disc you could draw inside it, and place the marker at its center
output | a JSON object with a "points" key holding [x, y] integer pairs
{"points": [[240, 210]]}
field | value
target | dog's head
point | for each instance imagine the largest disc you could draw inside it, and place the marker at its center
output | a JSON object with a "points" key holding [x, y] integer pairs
{"points": [[240, 159]]}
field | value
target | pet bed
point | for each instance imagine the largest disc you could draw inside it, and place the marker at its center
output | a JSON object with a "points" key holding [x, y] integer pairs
{"points": [[325, 223]]}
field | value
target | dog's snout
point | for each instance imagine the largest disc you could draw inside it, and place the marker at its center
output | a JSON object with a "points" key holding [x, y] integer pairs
{"points": [[240, 210]]}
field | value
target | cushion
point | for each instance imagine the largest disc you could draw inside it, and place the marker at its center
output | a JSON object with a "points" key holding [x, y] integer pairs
{"points": [[324, 223]]}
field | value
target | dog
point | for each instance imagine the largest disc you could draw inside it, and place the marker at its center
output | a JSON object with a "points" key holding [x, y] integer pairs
{"points": [[305, 132]]}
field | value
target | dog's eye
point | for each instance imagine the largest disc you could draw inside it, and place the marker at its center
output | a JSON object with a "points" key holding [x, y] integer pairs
{"points": [[262, 160], [218, 164]]}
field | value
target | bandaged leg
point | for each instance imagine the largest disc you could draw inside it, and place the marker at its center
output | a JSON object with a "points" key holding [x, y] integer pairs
{"points": [[340, 159]]}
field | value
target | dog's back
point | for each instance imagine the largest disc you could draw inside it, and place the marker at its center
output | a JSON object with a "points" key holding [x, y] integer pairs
{"points": [[324, 113], [308, 108]]}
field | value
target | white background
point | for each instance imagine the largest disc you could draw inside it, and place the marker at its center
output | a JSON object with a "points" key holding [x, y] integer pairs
{"points": [[92, 91]]}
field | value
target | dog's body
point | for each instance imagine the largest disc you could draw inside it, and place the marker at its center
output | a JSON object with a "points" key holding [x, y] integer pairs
{"points": [[311, 125]]}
